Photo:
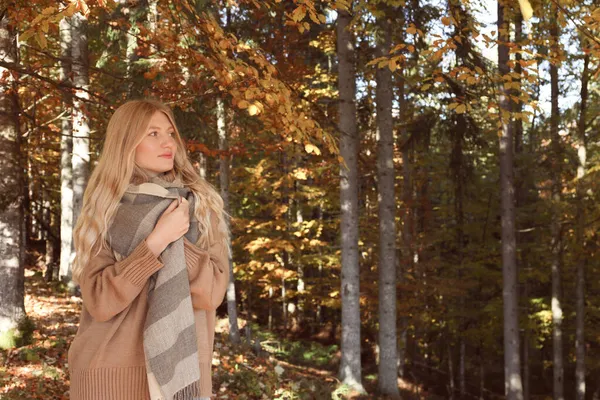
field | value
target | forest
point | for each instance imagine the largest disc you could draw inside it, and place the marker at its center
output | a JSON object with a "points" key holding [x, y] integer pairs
{"points": [[410, 183]]}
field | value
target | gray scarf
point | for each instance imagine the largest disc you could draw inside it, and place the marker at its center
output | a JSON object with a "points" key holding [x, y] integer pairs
{"points": [[169, 332]]}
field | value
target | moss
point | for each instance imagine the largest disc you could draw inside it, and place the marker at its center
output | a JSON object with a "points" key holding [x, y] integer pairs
{"points": [[21, 335]]}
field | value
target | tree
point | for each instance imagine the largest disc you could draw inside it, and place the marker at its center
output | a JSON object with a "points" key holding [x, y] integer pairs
{"points": [[224, 167], [388, 348], [350, 365], [555, 228], [66, 150], [12, 307], [512, 365], [81, 130], [581, 260]]}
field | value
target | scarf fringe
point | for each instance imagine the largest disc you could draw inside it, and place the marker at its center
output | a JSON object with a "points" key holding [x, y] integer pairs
{"points": [[189, 392]]}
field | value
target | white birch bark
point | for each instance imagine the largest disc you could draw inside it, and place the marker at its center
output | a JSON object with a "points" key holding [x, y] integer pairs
{"points": [[81, 131], [66, 150], [12, 306], [224, 172]]}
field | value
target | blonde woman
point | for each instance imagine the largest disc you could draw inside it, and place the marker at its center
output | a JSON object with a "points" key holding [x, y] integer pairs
{"points": [[152, 264]]}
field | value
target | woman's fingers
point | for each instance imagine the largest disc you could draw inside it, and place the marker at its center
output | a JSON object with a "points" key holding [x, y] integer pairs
{"points": [[172, 206]]}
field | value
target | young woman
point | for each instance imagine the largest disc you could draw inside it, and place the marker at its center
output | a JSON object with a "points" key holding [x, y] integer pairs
{"points": [[152, 264]]}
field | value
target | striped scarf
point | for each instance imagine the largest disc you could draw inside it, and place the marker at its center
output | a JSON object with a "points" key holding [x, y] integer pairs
{"points": [[169, 332]]}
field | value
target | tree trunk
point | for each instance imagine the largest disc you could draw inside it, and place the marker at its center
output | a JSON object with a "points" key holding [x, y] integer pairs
{"points": [[224, 166], [66, 149], [406, 261], [451, 388], [512, 365], [557, 364], [12, 307], [81, 130], [350, 363], [581, 261], [388, 346]]}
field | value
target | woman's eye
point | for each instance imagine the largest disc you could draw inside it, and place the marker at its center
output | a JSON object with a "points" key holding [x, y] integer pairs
{"points": [[153, 133]]}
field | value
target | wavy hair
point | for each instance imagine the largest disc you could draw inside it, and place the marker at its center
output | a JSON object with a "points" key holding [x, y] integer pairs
{"points": [[116, 169]]}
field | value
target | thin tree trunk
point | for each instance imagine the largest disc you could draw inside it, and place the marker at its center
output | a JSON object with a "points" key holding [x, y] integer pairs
{"points": [[224, 167], [581, 261], [406, 261], [81, 130], [557, 344], [526, 340], [388, 346], [350, 363], [461, 370], [451, 388], [520, 199], [12, 307], [481, 377], [51, 245], [512, 365], [66, 149]]}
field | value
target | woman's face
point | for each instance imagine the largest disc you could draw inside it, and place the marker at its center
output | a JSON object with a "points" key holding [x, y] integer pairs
{"points": [[156, 152]]}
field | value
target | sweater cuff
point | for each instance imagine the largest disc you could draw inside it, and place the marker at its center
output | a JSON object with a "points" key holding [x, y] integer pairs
{"points": [[140, 265], [194, 255]]}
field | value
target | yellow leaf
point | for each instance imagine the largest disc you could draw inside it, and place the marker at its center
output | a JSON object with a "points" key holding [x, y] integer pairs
{"points": [[300, 174], [425, 87], [253, 109], [461, 109], [41, 39], [243, 104], [314, 18], [26, 35], [393, 64], [48, 10], [411, 30], [446, 21], [526, 9], [299, 13], [312, 148]]}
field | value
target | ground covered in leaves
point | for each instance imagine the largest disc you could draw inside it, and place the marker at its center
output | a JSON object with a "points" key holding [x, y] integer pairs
{"points": [[280, 369]]}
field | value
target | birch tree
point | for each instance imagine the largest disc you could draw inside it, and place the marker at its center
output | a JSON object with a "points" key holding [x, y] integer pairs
{"points": [[12, 307], [66, 150], [81, 130]]}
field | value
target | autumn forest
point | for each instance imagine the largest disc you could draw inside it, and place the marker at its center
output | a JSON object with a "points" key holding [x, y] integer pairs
{"points": [[410, 185]]}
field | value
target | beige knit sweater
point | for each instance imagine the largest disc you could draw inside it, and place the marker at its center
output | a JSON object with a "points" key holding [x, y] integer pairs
{"points": [[106, 359]]}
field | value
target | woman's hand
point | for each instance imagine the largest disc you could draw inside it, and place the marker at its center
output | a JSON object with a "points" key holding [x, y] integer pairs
{"points": [[172, 224]]}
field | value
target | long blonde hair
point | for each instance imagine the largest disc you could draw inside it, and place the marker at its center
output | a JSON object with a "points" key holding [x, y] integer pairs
{"points": [[116, 169]]}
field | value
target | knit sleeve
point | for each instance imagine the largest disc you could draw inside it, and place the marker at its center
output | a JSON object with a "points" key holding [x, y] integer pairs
{"points": [[109, 286], [208, 272]]}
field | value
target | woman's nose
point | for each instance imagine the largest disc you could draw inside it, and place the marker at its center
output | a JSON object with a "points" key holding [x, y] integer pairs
{"points": [[169, 141]]}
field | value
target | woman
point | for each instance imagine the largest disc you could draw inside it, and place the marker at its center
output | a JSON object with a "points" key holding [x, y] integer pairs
{"points": [[152, 264]]}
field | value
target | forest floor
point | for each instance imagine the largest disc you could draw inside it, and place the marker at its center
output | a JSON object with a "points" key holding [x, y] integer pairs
{"points": [[282, 369]]}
